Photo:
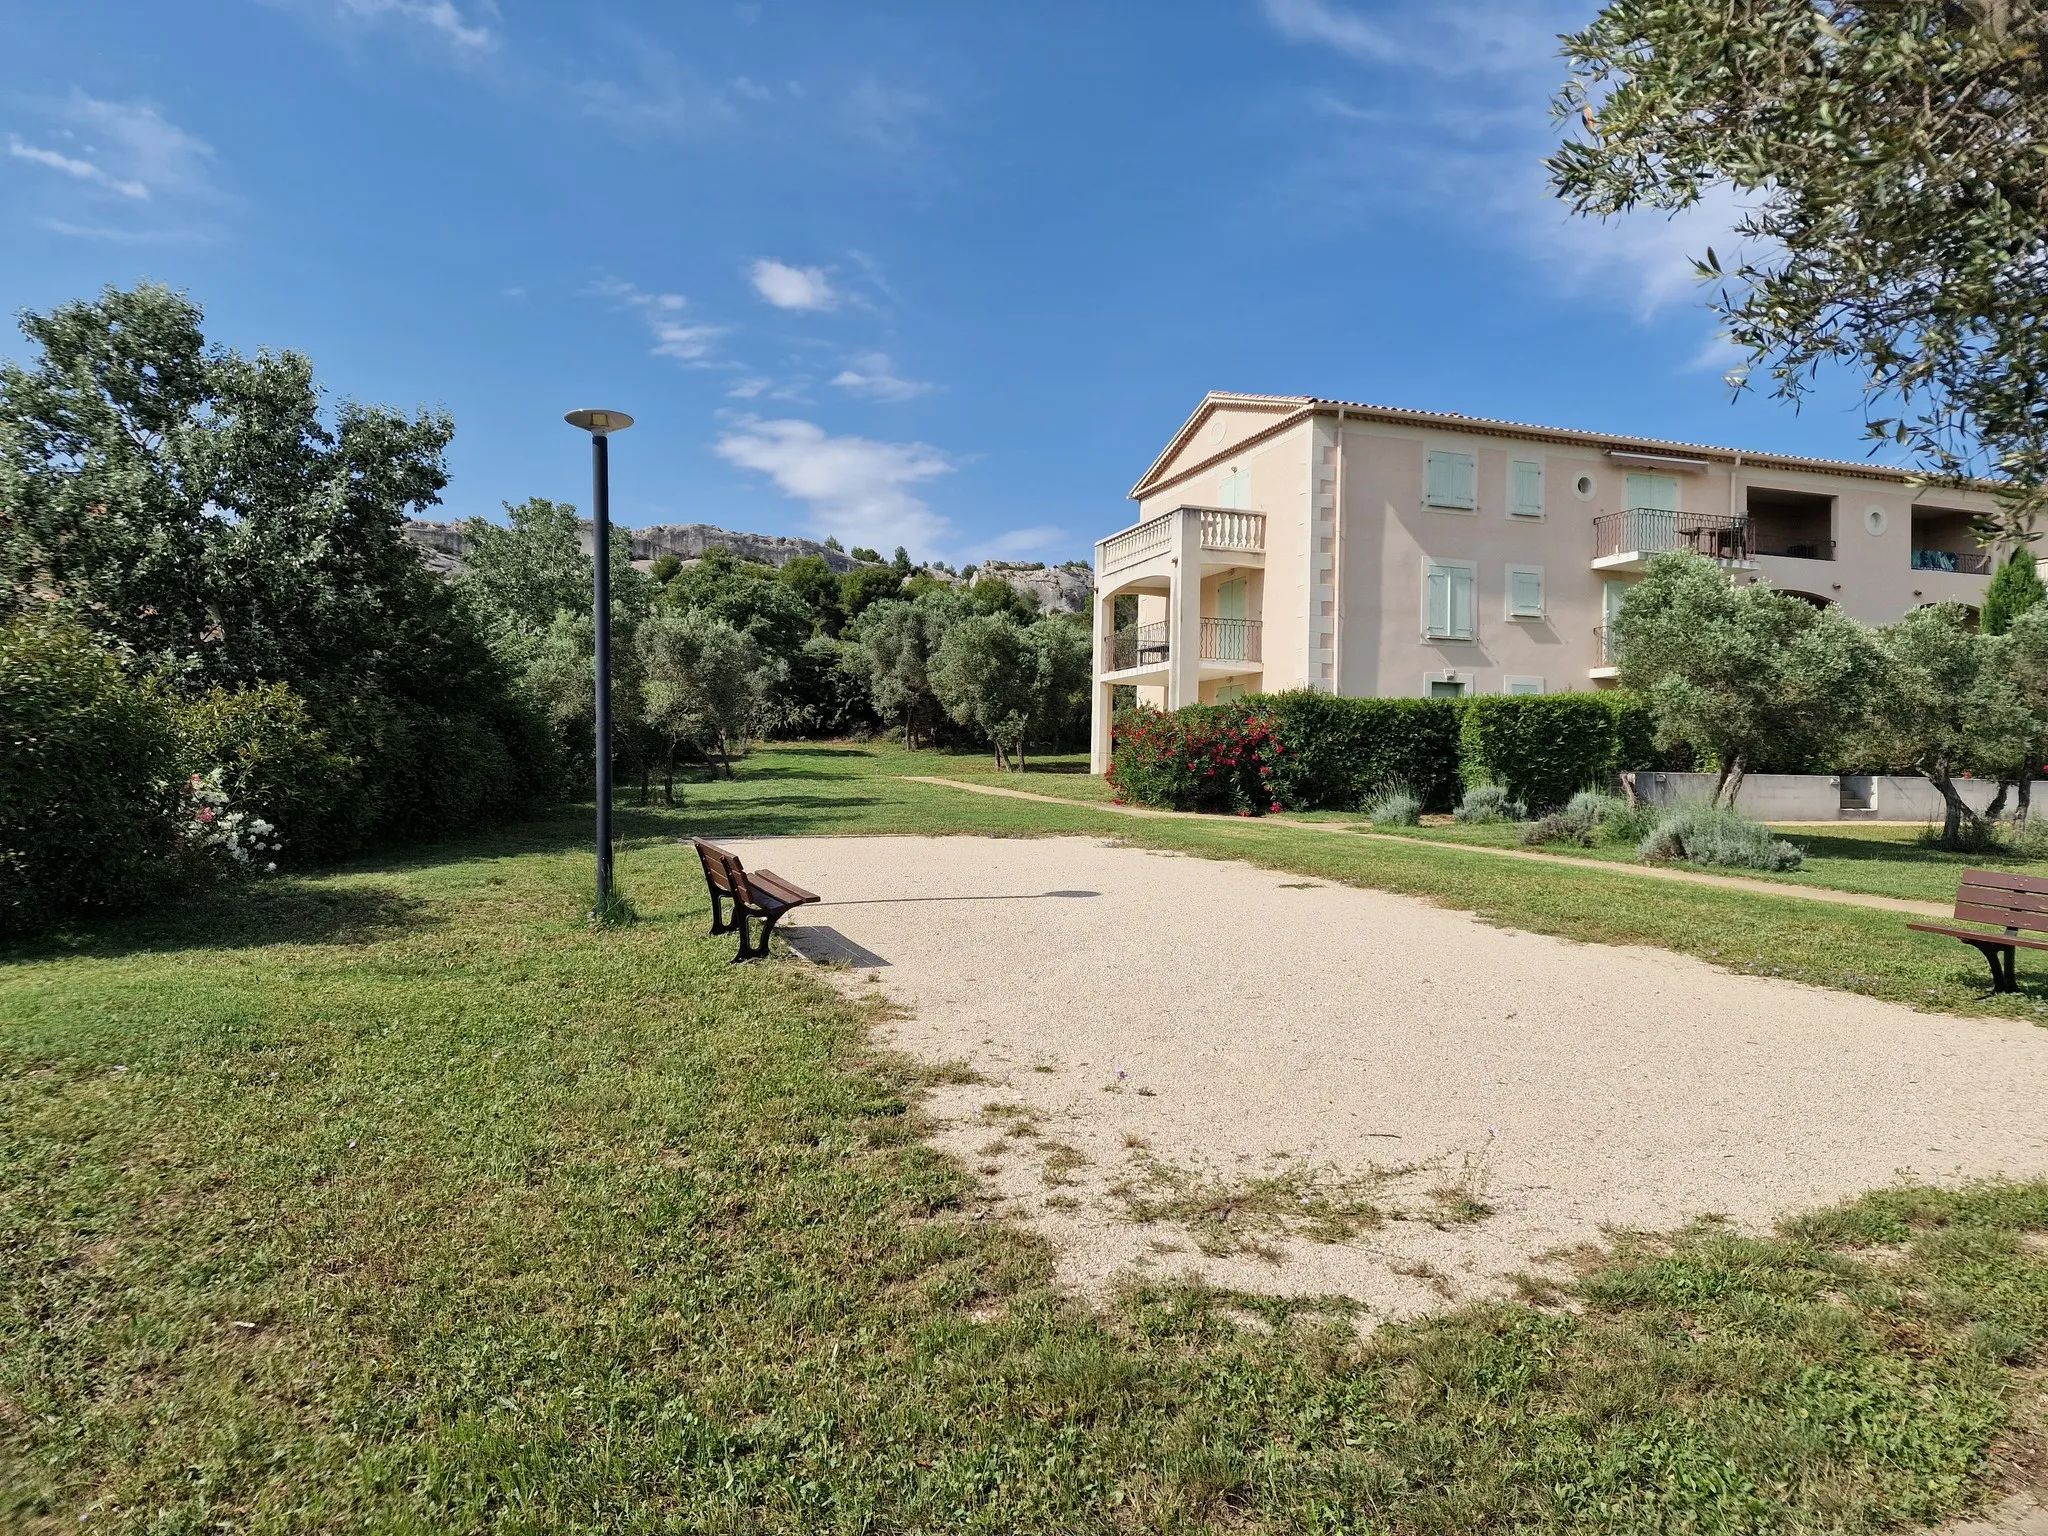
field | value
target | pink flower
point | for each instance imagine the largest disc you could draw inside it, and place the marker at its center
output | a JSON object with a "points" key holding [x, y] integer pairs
{"points": [[206, 813]]}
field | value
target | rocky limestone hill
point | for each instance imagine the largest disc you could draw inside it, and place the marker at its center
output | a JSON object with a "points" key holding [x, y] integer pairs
{"points": [[1058, 588]]}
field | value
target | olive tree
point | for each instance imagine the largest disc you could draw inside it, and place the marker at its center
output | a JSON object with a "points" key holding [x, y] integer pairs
{"points": [[900, 640], [1888, 161], [1947, 705], [704, 683], [1743, 672], [983, 674]]}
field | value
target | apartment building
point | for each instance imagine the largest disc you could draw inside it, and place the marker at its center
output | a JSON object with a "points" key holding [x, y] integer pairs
{"points": [[1289, 542]]}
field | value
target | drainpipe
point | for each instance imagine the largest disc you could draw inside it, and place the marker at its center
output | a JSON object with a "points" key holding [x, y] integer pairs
{"points": [[1336, 565]]}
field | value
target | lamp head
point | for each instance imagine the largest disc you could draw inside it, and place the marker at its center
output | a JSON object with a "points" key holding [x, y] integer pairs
{"points": [[599, 423]]}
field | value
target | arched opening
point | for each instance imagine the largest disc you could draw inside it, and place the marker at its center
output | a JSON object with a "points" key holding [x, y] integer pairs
{"points": [[1809, 597]]}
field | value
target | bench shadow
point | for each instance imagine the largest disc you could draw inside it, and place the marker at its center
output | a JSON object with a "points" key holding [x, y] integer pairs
{"points": [[828, 946], [285, 911]]}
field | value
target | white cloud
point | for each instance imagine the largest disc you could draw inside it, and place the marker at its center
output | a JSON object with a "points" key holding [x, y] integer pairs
{"points": [[857, 487], [84, 170], [684, 340], [464, 30], [788, 287], [1458, 122], [115, 156], [874, 375]]}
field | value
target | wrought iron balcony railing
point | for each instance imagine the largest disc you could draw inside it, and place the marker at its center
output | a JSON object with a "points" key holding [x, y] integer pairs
{"points": [[1648, 531], [1138, 645], [1230, 640]]}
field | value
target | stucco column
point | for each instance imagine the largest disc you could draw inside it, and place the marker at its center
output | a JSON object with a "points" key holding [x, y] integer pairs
{"points": [[1100, 693], [1184, 614]]}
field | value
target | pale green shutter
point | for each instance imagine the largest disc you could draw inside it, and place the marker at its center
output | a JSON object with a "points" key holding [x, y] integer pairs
{"points": [[1230, 600], [1653, 493], [1525, 685], [1439, 616], [1464, 605], [1525, 488], [1451, 480], [1525, 594]]}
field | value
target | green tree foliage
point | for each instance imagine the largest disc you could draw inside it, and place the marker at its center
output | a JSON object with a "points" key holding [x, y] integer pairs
{"points": [[867, 556], [816, 586], [824, 693], [198, 510], [706, 683], [861, 589], [983, 673], [276, 763], [2014, 588], [530, 569], [1948, 705], [900, 640], [901, 561], [1745, 673], [664, 569], [1062, 672], [1889, 159], [747, 595], [992, 594]]}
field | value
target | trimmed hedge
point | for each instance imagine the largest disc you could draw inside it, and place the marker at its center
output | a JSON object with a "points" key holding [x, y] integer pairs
{"points": [[1542, 750], [1341, 752], [1337, 753]]}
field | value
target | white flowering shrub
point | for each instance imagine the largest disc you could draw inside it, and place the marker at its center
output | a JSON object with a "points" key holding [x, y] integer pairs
{"points": [[221, 835]]}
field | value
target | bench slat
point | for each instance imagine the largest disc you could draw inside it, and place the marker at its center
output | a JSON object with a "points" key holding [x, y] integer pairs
{"points": [[2004, 917], [1971, 934], [2004, 896], [790, 894], [2006, 881]]}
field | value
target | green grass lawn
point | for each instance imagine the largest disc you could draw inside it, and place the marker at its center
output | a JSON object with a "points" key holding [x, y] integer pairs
{"points": [[398, 1199]]}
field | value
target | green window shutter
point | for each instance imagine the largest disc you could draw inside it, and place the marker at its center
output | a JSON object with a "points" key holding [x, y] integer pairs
{"points": [[1653, 493], [1525, 594], [1525, 488], [1230, 600], [1451, 477], [1438, 619], [1524, 685], [1464, 605]]}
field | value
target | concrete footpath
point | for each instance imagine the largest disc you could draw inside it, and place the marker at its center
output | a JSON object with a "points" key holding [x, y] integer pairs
{"points": [[1601, 866]]}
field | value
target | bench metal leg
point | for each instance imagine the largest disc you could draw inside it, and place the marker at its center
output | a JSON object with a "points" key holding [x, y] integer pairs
{"points": [[758, 950], [718, 923], [2001, 958]]}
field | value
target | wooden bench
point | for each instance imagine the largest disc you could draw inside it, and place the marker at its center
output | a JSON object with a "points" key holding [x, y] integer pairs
{"points": [[761, 894], [2014, 902]]}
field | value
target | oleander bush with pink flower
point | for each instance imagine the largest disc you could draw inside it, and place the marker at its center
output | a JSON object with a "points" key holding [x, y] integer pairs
{"points": [[1213, 757]]}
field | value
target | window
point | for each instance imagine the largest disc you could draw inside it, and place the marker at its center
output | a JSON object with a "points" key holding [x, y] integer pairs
{"points": [[1525, 488], [1237, 488], [1584, 487], [1450, 607], [1523, 685], [1653, 493], [1229, 693], [1449, 687], [1525, 591], [1452, 479]]}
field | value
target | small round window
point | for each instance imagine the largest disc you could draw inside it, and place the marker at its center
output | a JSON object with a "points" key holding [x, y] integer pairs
{"points": [[1583, 487], [1873, 520]]}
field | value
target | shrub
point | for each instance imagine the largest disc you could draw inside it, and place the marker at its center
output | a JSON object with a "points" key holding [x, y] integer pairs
{"points": [[90, 790], [1206, 757], [1716, 835], [1394, 807], [272, 761], [1485, 804], [1341, 752], [1564, 826], [1595, 807], [1541, 749]]}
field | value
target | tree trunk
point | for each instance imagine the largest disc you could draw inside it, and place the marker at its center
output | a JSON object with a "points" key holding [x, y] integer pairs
{"points": [[725, 755], [1731, 777], [1720, 784], [1020, 754], [1996, 808], [668, 774], [1953, 808], [1628, 790], [2024, 802]]}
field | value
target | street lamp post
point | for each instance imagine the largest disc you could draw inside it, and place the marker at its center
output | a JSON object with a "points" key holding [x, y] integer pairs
{"points": [[600, 425]]}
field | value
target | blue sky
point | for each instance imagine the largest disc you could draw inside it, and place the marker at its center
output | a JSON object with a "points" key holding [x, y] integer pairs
{"points": [[945, 276]]}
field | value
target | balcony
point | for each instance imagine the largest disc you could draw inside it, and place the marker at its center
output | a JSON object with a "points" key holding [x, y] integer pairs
{"points": [[1797, 549], [1965, 562], [1609, 665], [1229, 643], [1626, 541], [1221, 531]]}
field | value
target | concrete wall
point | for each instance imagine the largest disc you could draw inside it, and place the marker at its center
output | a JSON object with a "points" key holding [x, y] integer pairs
{"points": [[1820, 797]]}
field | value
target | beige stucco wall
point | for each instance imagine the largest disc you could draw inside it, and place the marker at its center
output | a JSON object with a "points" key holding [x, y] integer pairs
{"points": [[1347, 561]]}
